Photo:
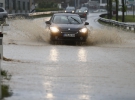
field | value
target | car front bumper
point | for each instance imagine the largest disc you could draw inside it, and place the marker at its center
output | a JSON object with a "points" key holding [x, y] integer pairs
{"points": [[69, 37]]}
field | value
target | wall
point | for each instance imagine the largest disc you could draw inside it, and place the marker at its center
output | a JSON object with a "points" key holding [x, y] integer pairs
{"points": [[18, 6], [2, 3]]}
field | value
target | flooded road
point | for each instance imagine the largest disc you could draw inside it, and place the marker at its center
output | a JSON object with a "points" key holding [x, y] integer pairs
{"points": [[103, 69]]}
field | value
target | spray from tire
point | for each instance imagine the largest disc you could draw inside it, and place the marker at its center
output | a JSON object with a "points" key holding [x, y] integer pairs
{"points": [[35, 31]]}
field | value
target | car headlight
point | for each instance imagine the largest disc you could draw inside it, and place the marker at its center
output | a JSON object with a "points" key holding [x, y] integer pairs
{"points": [[83, 30], [73, 11], [54, 29], [65, 11], [86, 11]]}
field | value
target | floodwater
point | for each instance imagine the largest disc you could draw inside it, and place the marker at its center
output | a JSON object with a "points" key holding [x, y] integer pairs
{"points": [[103, 69], [35, 31]]}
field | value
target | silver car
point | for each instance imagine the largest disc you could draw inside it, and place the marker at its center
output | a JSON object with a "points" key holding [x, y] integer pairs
{"points": [[3, 14]]}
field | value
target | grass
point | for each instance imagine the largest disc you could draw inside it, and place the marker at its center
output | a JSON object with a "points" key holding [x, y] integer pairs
{"points": [[5, 88], [128, 18], [5, 91], [5, 75], [43, 15]]}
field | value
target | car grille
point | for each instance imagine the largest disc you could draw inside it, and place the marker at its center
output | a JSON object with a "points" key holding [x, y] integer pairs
{"points": [[69, 32]]}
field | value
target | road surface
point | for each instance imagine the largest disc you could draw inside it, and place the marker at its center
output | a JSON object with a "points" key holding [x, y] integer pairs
{"points": [[103, 69]]}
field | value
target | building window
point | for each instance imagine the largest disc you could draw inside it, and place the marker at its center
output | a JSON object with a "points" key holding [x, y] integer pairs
{"points": [[14, 4], [19, 6], [1, 4], [23, 5]]}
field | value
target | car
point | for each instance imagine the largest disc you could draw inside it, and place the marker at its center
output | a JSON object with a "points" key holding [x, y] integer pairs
{"points": [[67, 27], [70, 10], [81, 13], [3, 14], [85, 9], [100, 10]]}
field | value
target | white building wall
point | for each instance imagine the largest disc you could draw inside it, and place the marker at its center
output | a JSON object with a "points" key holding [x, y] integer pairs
{"points": [[3, 2]]}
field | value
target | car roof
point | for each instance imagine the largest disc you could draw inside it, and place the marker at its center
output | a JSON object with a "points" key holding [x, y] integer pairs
{"points": [[65, 14], [70, 8], [84, 7]]}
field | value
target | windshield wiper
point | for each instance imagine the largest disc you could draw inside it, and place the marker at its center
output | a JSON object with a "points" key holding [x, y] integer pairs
{"points": [[75, 20], [69, 20]]}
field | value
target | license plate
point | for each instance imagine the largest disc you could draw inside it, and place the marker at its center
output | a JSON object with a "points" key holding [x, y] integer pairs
{"points": [[69, 35]]}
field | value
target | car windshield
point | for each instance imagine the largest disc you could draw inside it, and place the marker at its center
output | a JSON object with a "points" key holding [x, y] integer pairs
{"points": [[83, 10], [79, 10], [70, 8], [67, 19]]}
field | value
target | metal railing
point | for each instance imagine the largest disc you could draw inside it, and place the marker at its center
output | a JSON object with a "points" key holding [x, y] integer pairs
{"points": [[127, 26], [32, 14]]}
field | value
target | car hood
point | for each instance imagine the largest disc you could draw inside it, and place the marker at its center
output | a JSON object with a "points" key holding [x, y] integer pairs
{"points": [[69, 26]]}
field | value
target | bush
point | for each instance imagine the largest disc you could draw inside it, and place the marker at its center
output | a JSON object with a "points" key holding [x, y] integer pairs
{"points": [[46, 9], [5, 91], [45, 4]]}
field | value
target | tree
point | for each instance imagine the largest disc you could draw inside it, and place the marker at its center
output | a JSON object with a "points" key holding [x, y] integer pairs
{"points": [[116, 1], [107, 9], [123, 11], [110, 9]]}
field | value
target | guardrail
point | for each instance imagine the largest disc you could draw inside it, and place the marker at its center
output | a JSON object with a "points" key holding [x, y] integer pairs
{"points": [[123, 25], [32, 14]]}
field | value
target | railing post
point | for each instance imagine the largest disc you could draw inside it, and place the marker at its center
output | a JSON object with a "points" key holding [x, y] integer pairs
{"points": [[1, 57]]}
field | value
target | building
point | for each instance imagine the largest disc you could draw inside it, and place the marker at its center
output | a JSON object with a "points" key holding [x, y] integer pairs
{"points": [[2, 3], [18, 6]]}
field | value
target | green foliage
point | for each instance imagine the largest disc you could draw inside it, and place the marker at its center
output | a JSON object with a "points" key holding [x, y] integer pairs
{"points": [[46, 9], [5, 75], [5, 88], [128, 18], [44, 15], [5, 91], [47, 5], [125, 8]]}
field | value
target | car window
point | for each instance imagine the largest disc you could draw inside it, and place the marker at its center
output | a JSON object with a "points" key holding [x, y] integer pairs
{"points": [[71, 8], [77, 10], [1, 10], [66, 19]]}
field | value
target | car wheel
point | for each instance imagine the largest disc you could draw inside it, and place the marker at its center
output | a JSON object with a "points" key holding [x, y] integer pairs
{"points": [[52, 38]]}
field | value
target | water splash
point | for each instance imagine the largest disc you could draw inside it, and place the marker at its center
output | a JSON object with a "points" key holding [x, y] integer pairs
{"points": [[104, 36], [28, 30], [34, 30]]}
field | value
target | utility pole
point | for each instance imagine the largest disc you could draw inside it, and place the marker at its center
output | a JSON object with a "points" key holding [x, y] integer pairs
{"points": [[108, 9], [123, 12], [116, 1]]}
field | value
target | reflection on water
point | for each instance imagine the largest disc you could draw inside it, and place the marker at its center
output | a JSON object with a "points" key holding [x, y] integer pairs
{"points": [[54, 55], [82, 56], [48, 87], [84, 97], [49, 96]]}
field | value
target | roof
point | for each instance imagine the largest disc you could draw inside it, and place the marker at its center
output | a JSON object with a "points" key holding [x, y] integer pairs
{"points": [[65, 14]]}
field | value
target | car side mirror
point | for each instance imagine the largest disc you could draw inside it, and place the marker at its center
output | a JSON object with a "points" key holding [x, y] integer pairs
{"points": [[47, 22], [86, 23]]}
